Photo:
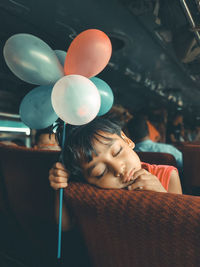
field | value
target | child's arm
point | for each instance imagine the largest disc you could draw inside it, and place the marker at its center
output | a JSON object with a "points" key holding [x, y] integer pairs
{"points": [[174, 183], [58, 178]]}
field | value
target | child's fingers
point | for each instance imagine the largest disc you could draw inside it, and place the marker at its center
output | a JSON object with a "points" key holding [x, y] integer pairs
{"points": [[58, 179], [58, 172], [59, 165], [58, 176], [141, 179], [136, 175], [147, 182], [136, 186], [138, 183], [139, 173], [57, 186]]}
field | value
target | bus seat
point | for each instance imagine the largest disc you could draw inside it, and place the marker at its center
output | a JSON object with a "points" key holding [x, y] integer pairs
{"points": [[157, 158], [119, 227], [191, 167], [26, 197], [136, 228]]}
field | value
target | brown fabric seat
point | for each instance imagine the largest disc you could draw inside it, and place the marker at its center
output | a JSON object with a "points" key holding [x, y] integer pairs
{"points": [[25, 177], [157, 158], [140, 229], [28, 229], [119, 227], [27, 201]]}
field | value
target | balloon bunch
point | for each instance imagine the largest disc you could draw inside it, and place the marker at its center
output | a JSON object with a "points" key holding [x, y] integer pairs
{"points": [[67, 86]]}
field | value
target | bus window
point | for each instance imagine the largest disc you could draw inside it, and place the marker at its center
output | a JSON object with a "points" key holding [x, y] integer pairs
{"points": [[14, 131]]}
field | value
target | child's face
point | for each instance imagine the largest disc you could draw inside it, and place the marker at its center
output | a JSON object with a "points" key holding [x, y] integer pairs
{"points": [[114, 164]]}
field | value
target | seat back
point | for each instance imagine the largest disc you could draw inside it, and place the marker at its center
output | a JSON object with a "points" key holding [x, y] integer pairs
{"points": [[26, 191], [136, 228], [30, 201], [120, 227], [157, 158], [191, 166]]}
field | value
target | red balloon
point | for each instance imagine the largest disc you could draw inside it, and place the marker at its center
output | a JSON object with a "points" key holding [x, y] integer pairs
{"points": [[88, 53]]}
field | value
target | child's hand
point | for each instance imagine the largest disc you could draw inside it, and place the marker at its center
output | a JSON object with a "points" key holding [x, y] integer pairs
{"points": [[58, 176], [145, 180]]}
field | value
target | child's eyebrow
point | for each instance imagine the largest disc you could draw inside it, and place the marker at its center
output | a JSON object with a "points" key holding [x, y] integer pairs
{"points": [[109, 142]]}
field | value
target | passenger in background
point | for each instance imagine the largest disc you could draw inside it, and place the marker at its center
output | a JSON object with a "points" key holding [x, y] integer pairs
{"points": [[153, 133], [158, 118], [8, 143], [196, 133], [189, 132], [175, 130], [46, 139], [139, 133], [13, 142]]}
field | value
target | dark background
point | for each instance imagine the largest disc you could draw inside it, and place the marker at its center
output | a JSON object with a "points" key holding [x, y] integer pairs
{"points": [[155, 58]]}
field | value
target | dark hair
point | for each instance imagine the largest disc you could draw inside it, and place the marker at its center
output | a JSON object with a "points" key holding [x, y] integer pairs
{"points": [[137, 128], [79, 141]]}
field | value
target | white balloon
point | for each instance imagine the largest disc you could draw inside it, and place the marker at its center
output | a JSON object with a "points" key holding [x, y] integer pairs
{"points": [[75, 99]]}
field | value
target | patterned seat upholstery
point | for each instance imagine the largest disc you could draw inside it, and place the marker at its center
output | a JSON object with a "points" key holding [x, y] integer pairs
{"points": [[136, 228], [119, 227]]}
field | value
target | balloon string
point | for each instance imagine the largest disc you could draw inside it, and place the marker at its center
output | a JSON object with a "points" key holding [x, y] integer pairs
{"points": [[61, 200], [60, 223]]}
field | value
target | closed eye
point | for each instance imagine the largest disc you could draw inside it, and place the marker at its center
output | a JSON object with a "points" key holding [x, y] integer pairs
{"points": [[101, 175], [118, 152]]}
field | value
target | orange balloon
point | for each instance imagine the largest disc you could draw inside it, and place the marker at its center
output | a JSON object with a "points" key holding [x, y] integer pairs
{"points": [[88, 53]]}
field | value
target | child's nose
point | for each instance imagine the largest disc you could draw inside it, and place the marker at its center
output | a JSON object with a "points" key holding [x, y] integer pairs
{"points": [[119, 170]]}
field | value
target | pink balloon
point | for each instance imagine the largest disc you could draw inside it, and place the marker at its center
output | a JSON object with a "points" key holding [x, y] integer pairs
{"points": [[88, 53], [75, 99]]}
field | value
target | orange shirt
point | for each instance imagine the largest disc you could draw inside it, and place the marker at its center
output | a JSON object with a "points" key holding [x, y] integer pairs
{"points": [[163, 172]]}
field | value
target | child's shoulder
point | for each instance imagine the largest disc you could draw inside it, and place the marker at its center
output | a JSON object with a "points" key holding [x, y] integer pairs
{"points": [[158, 169], [162, 172]]}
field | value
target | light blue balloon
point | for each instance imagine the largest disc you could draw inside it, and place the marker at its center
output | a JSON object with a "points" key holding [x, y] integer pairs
{"points": [[106, 95], [61, 55], [36, 110], [32, 60]]}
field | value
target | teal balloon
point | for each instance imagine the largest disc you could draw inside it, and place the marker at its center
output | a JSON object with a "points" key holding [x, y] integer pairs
{"points": [[32, 60], [36, 110], [106, 94], [61, 55]]}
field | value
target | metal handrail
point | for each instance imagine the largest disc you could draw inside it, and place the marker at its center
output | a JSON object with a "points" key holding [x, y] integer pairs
{"points": [[191, 21]]}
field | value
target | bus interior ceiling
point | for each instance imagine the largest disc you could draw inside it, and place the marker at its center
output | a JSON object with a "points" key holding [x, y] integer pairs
{"points": [[155, 59]]}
